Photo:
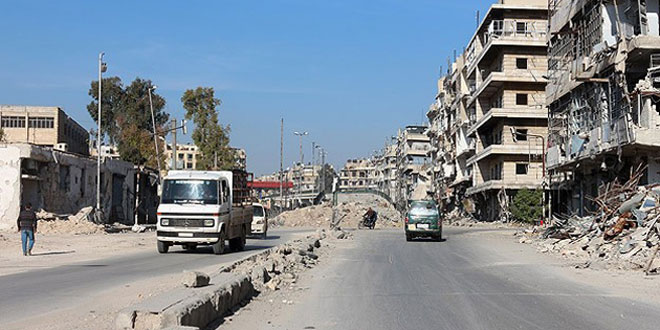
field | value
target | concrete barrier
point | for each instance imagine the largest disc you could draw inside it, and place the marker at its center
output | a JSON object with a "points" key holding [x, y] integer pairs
{"points": [[188, 307]]}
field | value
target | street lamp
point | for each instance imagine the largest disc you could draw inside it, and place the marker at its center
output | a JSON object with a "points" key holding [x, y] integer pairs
{"points": [[302, 159], [102, 68], [153, 121]]}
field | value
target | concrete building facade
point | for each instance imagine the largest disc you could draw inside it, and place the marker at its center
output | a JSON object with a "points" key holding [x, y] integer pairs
{"points": [[413, 164], [44, 126], [603, 91], [358, 174], [489, 121]]}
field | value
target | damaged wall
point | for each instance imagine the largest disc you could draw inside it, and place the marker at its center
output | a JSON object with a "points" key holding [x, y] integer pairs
{"points": [[62, 183]]}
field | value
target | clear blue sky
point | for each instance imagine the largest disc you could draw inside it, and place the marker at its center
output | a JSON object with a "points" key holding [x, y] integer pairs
{"points": [[348, 71]]}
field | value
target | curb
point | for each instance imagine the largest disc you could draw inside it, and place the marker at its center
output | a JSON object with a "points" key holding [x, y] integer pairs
{"points": [[192, 308]]}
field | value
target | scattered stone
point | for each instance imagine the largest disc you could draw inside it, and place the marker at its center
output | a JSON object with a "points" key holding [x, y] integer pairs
{"points": [[195, 279]]}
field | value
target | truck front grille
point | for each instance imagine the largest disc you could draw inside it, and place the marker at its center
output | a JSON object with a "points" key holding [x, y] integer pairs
{"points": [[186, 223]]}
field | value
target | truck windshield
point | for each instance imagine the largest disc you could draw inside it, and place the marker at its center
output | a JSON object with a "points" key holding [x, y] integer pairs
{"points": [[190, 191]]}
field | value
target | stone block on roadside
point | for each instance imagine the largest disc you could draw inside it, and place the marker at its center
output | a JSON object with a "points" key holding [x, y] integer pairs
{"points": [[195, 279]]}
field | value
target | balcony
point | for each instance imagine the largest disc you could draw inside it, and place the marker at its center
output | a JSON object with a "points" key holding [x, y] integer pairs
{"points": [[533, 148], [496, 80], [503, 184], [500, 113]]}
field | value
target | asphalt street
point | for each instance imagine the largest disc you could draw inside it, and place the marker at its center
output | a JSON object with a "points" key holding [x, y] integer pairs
{"points": [[27, 294], [380, 281]]}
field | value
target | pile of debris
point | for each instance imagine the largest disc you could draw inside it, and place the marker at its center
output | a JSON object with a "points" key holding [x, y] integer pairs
{"points": [[79, 224], [280, 267], [347, 214], [624, 233]]}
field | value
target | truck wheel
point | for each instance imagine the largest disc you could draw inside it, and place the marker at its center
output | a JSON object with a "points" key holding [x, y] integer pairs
{"points": [[219, 246], [163, 247], [408, 238], [238, 243]]}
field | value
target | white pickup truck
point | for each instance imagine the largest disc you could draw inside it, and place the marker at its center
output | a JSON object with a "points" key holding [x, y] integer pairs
{"points": [[204, 208]]}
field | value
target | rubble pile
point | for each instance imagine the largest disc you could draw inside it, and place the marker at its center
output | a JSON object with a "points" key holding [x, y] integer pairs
{"points": [[78, 224], [623, 234], [348, 214], [281, 266]]}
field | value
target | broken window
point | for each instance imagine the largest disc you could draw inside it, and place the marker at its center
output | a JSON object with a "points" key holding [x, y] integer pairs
{"points": [[521, 99], [521, 63], [522, 169], [522, 134]]}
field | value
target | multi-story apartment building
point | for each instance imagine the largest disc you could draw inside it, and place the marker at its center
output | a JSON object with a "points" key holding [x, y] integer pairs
{"points": [[604, 83], [358, 174], [305, 178], [186, 155], [489, 117], [412, 160], [505, 67], [386, 171], [43, 126]]}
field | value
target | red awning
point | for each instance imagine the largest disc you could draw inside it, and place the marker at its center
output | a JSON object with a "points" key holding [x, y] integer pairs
{"points": [[269, 185]]}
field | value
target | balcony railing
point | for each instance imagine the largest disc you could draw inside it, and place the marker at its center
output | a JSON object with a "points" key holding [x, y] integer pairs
{"points": [[511, 29]]}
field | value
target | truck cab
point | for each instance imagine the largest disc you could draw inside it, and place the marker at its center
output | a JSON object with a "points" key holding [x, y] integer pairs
{"points": [[259, 220], [204, 208]]}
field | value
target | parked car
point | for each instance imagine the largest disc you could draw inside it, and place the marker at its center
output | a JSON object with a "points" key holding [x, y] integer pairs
{"points": [[423, 220], [259, 221]]}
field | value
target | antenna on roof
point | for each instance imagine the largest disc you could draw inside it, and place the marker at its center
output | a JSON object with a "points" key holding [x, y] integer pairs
{"points": [[478, 19]]}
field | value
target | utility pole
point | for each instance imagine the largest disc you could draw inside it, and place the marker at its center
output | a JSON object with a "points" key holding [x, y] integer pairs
{"points": [[102, 68], [174, 159], [323, 175], [153, 121], [281, 164]]}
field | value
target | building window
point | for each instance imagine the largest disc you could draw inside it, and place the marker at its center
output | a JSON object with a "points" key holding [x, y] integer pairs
{"points": [[521, 99], [521, 63], [188, 165], [522, 134], [41, 122], [521, 27], [190, 156], [522, 169], [13, 122]]}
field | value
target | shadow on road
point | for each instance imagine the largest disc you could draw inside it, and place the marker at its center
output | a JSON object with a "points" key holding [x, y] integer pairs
{"points": [[52, 253]]}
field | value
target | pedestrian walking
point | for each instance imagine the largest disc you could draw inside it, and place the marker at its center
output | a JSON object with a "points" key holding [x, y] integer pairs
{"points": [[27, 226]]}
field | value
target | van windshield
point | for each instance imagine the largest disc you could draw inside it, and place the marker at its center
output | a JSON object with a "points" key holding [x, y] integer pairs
{"points": [[190, 191], [258, 211], [423, 209]]}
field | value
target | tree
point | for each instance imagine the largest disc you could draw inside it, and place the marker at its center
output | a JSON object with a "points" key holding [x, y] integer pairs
{"points": [[2, 135], [209, 135], [527, 205], [126, 118], [113, 97]]}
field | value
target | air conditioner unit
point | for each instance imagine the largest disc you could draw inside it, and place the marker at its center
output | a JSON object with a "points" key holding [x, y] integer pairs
{"points": [[62, 146]]}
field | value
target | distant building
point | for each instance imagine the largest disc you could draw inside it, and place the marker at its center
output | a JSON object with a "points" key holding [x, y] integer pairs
{"points": [[43, 126], [412, 160], [358, 174], [186, 155], [241, 158]]}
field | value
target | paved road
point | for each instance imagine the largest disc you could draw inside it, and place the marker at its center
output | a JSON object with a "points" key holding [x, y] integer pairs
{"points": [[467, 282], [35, 292]]}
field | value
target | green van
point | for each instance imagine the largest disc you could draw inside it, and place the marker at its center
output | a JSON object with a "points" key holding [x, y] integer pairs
{"points": [[423, 220]]}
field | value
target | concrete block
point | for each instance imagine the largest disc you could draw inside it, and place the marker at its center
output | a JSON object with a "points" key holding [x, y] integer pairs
{"points": [[193, 279]]}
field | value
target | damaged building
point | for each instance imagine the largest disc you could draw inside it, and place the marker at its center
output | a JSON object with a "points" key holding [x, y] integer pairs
{"points": [[603, 96], [62, 183]]}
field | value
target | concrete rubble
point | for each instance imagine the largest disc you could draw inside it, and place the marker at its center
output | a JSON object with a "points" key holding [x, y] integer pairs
{"points": [[233, 286], [623, 234], [350, 214], [80, 223]]}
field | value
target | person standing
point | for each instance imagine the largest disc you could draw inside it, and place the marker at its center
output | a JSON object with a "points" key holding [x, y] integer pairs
{"points": [[27, 226]]}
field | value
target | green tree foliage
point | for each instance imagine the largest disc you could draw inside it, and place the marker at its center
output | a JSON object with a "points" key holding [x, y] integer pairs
{"points": [[126, 118], [209, 135], [2, 135], [527, 205]]}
